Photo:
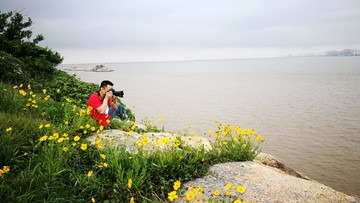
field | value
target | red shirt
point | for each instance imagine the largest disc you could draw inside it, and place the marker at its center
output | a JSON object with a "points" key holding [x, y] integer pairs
{"points": [[94, 102]]}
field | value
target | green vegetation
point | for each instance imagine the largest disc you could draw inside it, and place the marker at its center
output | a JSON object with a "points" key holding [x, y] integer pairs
{"points": [[44, 154]]}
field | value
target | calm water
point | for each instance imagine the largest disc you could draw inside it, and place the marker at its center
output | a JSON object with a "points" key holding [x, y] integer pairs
{"points": [[307, 109]]}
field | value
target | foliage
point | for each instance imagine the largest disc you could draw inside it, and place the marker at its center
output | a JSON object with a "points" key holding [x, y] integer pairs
{"points": [[42, 141], [21, 58]]}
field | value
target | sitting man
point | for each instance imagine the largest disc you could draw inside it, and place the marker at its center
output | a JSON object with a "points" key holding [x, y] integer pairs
{"points": [[103, 104]]}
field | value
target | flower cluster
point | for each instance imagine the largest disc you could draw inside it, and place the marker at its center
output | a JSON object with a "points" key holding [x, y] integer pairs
{"points": [[32, 99], [226, 133], [173, 195]]}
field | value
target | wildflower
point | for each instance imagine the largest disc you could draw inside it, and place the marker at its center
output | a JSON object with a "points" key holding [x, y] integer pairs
{"points": [[132, 200], [101, 128], [90, 173], [237, 201], [177, 185], [228, 193], [47, 126], [241, 189], [83, 146], [9, 129], [47, 98], [22, 92], [56, 135], [58, 91], [93, 128], [165, 140], [190, 195], [21, 85], [105, 165], [172, 195], [29, 86], [103, 156], [60, 140], [4, 170], [43, 138], [76, 138], [259, 138], [44, 91], [15, 87], [210, 131], [92, 200], [129, 184], [65, 149], [200, 190], [68, 100], [228, 186]]}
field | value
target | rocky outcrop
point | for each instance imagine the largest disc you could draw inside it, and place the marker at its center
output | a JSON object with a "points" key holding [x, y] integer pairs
{"points": [[265, 179], [97, 68]]}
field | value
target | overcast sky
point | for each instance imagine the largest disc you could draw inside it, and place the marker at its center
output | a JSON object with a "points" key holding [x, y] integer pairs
{"points": [[93, 31]]}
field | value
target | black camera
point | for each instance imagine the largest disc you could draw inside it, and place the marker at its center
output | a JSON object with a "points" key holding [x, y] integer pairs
{"points": [[117, 93]]}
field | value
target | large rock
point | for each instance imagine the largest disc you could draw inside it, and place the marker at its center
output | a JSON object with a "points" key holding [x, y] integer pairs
{"points": [[263, 184], [266, 179], [115, 138]]}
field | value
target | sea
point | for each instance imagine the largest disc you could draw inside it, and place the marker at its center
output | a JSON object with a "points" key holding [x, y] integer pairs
{"points": [[306, 108]]}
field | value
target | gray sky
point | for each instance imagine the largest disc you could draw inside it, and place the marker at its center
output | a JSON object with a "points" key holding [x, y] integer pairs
{"points": [[93, 31]]}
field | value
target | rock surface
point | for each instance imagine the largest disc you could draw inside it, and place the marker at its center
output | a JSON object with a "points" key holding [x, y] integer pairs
{"points": [[265, 179]]}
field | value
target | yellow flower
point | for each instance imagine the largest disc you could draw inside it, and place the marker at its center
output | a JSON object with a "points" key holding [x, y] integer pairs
{"points": [[200, 190], [90, 173], [210, 131], [237, 201], [241, 189], [58, 90], [259, 138], [177, 185], [65, 149], [129, 184], [9, 129], [47, 126], [43, 138], [83, 146], [103, 156], [92, 200], [132, 200], [15, 87], [190, 195], [93, 128], [60, 140], [76, 138], [228, 186], [217, 192], [44, 91], [105, 165], [101, 128], [228, 193], [87, 126], [29, 86], [172, 195]]}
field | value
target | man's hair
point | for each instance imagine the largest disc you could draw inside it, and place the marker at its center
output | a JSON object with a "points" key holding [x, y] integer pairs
{"points": [[105, 83]]}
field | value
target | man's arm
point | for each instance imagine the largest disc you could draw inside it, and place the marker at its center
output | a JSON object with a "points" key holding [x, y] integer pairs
{"points": [[104, 105], [113, 103]]}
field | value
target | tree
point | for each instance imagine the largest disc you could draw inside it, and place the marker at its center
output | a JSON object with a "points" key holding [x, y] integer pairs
{"points": [[35, 62]]}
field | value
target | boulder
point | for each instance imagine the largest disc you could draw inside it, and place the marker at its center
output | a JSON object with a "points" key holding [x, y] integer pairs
{"points": [[263, 184]]}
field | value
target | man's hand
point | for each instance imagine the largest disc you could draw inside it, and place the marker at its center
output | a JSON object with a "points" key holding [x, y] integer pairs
{"points": [[109, 94]]}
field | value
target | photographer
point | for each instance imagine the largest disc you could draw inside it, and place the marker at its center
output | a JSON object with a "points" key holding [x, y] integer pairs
{"points": [[103, 104]]}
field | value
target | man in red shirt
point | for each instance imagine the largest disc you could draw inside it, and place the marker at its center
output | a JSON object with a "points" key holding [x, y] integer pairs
{"points": [[103, 104]]}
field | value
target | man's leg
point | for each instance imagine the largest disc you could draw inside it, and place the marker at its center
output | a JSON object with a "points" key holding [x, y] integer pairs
{"points": [[120, 112]]}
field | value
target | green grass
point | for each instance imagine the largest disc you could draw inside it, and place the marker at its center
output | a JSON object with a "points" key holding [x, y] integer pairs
{"points": [[60, 169]]}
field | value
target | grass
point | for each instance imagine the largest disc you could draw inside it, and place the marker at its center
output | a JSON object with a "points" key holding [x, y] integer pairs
{"points": [[42, 140]]}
